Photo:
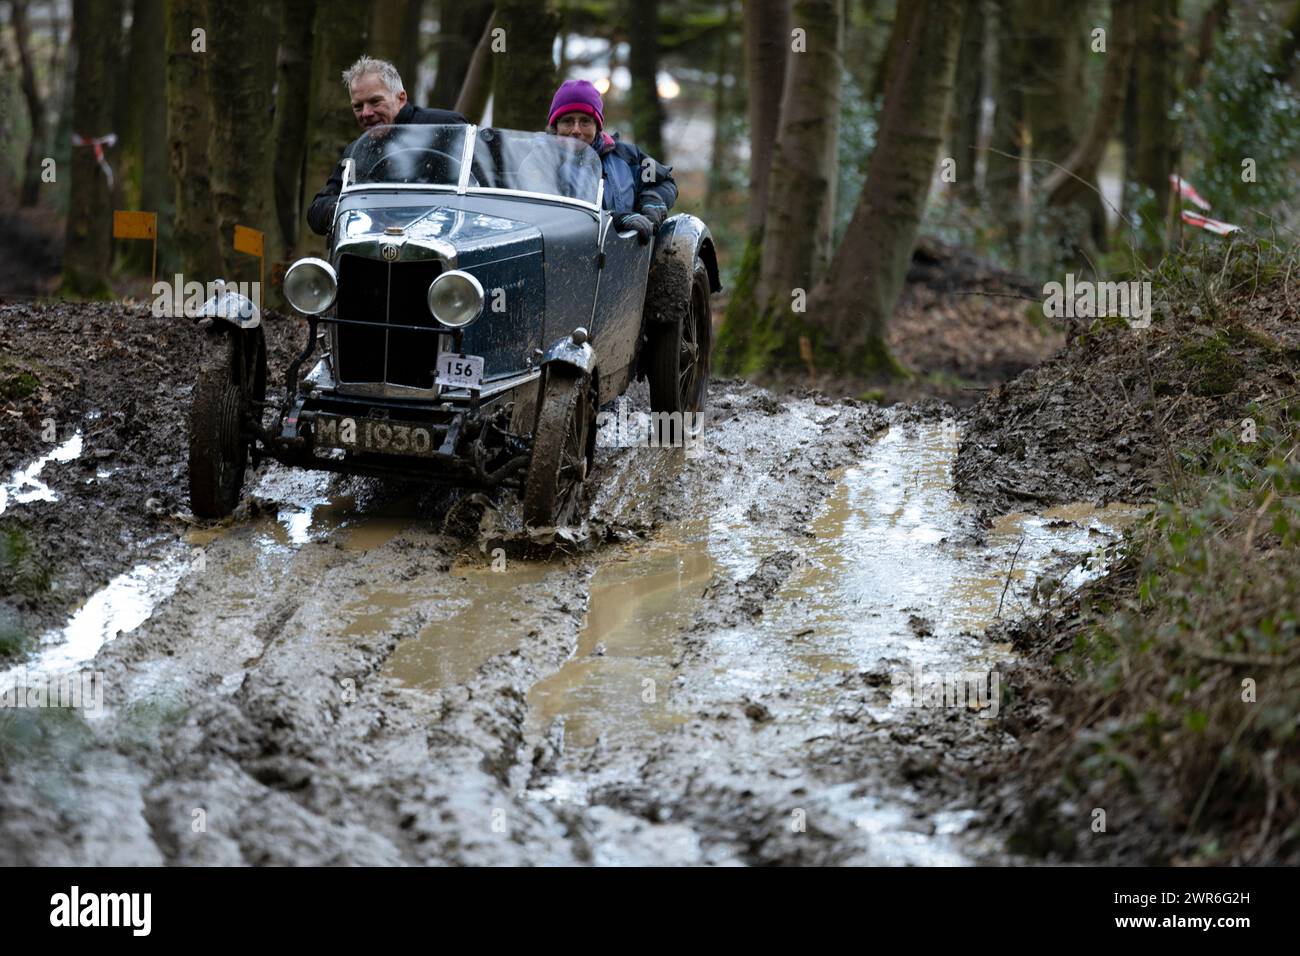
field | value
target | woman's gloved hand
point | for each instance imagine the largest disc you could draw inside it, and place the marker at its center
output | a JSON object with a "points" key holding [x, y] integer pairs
{"points": [[656, 212], [634, 220]]}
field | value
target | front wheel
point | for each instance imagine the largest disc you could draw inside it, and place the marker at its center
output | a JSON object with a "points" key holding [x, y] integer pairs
{"points": [[561, 448], [231, 372], [679, 351]]}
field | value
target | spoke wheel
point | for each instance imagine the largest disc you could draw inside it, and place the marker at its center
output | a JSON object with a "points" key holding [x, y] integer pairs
{"points": [[561, 448], [680, 351], [230, 378]]}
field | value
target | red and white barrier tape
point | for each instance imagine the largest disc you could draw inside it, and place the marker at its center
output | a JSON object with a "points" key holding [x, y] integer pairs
{"points": [[99, 143]]}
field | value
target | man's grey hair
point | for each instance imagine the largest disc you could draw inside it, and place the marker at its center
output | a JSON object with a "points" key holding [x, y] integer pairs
{"points": [[366, 65]]}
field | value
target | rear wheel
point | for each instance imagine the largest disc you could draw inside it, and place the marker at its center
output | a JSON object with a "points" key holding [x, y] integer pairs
{"points": [[230, 381], [561, 448], [679, 352]]}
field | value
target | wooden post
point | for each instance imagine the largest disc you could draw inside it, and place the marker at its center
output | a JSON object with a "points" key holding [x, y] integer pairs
{"points": [[138, 225], [250, 242]]}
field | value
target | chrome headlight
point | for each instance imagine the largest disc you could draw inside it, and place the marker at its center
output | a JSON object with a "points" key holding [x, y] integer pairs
{"points": [[455, 299], [310, 286]]}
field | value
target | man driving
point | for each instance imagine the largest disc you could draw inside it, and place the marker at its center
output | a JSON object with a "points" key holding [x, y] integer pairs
{"points": [[378, 99]]}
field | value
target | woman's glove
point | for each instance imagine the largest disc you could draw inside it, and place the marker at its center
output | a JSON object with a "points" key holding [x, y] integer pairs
{"points": [[655, 212], [634, 220]]}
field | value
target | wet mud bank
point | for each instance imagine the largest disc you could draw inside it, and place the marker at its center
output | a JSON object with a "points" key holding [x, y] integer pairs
{"points": [[1142, 734], [100, 391]]}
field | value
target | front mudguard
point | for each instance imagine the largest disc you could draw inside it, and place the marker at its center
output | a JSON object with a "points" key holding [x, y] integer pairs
{"points": [[568, 352], [232, 309]]}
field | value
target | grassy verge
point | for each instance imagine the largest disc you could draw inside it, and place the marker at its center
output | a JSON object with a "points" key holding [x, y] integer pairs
{"points": [[1174, 679]]}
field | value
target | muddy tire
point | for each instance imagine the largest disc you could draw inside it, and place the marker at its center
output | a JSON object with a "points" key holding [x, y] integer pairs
{"points": [[679, 352], [230, 379], [561, 448]]}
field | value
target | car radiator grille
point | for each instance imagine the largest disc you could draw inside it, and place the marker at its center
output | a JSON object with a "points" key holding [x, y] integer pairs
{"points": [[383, 294]]}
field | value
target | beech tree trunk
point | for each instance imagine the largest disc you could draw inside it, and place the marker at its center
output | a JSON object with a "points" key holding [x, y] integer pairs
{"points": [[796, 243], [1156, 88], [341, 35], [852, 306], [461, 25], [643, 63], [144, 170], [189, 135], [968, 96], [35, 112], [88, 246], [292, 93], [242, 52], [767, 45], [720, 153], [523, 80]]}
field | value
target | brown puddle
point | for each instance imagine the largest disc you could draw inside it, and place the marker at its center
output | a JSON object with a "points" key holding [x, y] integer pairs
{"points": [[485, 622], [616, 683]]}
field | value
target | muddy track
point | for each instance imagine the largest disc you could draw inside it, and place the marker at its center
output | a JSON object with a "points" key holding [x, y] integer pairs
{"points": [[333, 678]]}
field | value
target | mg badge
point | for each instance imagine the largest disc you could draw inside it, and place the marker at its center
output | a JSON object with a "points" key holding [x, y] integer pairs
{"points": [[389, 251]]}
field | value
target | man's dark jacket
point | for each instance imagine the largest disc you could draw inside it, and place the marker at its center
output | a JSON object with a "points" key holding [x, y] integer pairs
{"points": [[320, 216]]}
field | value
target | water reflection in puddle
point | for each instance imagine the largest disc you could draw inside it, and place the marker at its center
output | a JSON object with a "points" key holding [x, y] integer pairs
{"points": [[118, 608], [616, 684], [892, 572], [25, 485]]}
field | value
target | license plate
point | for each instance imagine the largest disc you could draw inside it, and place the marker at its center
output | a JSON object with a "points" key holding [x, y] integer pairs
{"points": [[372, 435], [460, 371]]}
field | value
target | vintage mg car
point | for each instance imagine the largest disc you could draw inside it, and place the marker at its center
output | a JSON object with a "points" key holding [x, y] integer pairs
{"points": [[475, 310]]}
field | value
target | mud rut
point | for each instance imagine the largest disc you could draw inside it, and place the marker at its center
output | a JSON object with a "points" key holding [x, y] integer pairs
{"points": [[333, 679]]}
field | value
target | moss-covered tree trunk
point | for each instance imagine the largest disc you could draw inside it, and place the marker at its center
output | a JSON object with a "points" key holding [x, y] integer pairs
{"points": [[460, 28], [341, 35], [720, 152], [643, 64], [767, 46], [88, 243], [189, 136], [292, 93], [242, 50], [796, 244], [851, 308], [1156, 89], [523, 79], [144, 170]]}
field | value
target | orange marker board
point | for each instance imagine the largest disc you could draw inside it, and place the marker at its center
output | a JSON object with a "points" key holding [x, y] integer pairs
{"points": [[248, 241], [135, 225]]}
